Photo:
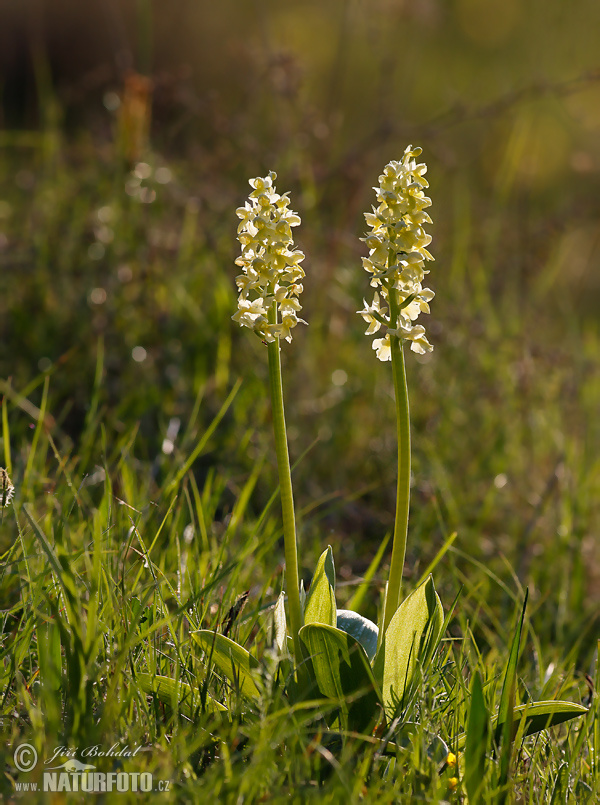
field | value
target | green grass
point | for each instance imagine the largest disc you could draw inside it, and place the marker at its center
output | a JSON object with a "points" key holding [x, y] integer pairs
{"points": [[117, 544]]}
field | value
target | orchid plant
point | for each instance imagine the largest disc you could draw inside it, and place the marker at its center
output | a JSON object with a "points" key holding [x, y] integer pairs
{"points": [[385, 662], [368, 673]]}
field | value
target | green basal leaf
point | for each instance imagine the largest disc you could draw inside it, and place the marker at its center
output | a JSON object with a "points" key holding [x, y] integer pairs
{"points": [[361, 629], [478, 731], [343, 674], [538, 716], [231, 659], [320, 601], [177, 695], [408, 646], [541, 715]]}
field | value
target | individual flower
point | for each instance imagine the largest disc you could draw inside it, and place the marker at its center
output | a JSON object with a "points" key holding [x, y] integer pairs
{"points": [[374, 314], [398, 254], [383, 347], [271, 278]]}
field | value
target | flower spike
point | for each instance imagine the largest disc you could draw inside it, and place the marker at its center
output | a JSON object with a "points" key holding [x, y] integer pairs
{"points": [[398, 254], [271, 266]]}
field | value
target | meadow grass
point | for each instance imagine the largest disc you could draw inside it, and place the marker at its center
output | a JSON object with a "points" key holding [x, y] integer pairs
{"points": [[136, 431]]}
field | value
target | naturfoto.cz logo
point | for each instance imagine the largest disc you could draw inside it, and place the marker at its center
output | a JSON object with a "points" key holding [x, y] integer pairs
{"points": [[73, 775]]}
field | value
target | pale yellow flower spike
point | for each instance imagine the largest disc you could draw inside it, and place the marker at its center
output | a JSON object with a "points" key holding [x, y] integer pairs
{"points": [[398, 254], [271, 266]]}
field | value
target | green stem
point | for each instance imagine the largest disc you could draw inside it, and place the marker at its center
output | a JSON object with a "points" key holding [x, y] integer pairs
{"points": [[392, 599], [285, 486]]}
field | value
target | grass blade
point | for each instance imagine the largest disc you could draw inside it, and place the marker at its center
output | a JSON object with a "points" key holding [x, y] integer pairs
{"points": [[477, 738], [355, 602], [203, 441], [507, 697]]}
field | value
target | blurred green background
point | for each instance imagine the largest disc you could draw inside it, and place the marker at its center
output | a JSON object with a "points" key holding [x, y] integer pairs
{"points": [[122, 245]]}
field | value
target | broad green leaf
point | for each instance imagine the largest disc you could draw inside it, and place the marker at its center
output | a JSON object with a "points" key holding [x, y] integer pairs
{"points": [[408, 646], [343, 674], [478, 731], [231, 659], [320, 601], [177, 695], [541, 715], [538, 716], [361, 629]]}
